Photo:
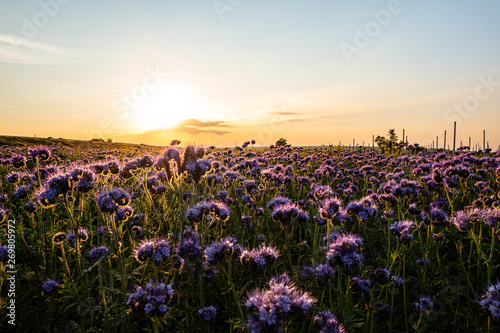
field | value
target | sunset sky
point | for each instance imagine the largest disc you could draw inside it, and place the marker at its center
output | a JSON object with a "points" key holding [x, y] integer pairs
{"points": [[223, 72]]}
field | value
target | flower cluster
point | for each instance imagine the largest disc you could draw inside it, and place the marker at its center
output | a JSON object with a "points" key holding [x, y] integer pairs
{"points": [[490, 301], [217, 250], [424, 305], [218, 209], [327, 322], [344, 251], [261, 257], [151, 300], [156, 249], [403, 230], [269, 309], [98, 252], [284, 213], [208, 313], [50, 287], [83, 235]]}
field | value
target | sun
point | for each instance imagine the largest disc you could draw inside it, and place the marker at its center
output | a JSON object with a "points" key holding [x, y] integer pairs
{"points": [[166, 106]]}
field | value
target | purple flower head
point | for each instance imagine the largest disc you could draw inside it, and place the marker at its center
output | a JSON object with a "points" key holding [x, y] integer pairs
{"points": [[123, 213], [381, 276], [219, 209], [278, 201], [323, 274], [330, 207], [344, 251], [41, 152], [490, 301], [21, 192], [151, 300], [225, 247], [83, 235], [3, 214], [261, 257], [48, 197], [61, 183], [360, 285], [424, 305], [208, 313], [158, 250], [403, 230], [268, 309], [284, 213], [327, 322], [50, 287], [18, 161], [98, 252], [321, 192], [4, 254], [104, 230], [190, 245]]}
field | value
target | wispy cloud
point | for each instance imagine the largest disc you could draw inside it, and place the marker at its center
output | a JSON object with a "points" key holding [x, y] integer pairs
{"points": [[192, 127], [18, 50]]}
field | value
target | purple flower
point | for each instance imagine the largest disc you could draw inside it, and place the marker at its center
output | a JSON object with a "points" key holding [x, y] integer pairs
{"points": [[3, 214], [323, 274], [360, 285], [327, 322], [284, 213], [98, 252], [4, 254], [156, 249], [151, 300], [403, 230], [330, 207], [83, 235], [218, 209], [424, 305], [261, 257], [216, 251], [208, 313], [268, 309], [344, 251], [490, 301], [50, 287]]}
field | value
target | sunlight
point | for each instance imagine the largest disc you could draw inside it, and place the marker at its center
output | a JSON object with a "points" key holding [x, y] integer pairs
{"points": [[165, 107]]}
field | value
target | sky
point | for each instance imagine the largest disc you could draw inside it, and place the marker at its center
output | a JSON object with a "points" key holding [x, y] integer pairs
{"points": [[221, 72]]}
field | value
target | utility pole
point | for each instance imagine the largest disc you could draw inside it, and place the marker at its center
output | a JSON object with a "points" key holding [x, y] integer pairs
{"points": [[454, 134], [444, 146], [484, 142]]}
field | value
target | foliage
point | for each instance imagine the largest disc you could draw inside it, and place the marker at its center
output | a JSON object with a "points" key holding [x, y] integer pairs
{"points": [[389, 144], [115, 238], [281, 142]]}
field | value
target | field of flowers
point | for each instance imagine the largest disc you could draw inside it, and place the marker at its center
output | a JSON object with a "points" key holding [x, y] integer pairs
{"points": [[285, 239]]}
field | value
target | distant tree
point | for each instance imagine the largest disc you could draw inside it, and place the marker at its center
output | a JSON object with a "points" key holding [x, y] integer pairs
{"points": [[280, 142], [175, 143], [109, 140], [387, 145]]}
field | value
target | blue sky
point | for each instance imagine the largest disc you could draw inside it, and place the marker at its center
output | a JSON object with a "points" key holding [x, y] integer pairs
{"points": [[261, 69]]}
